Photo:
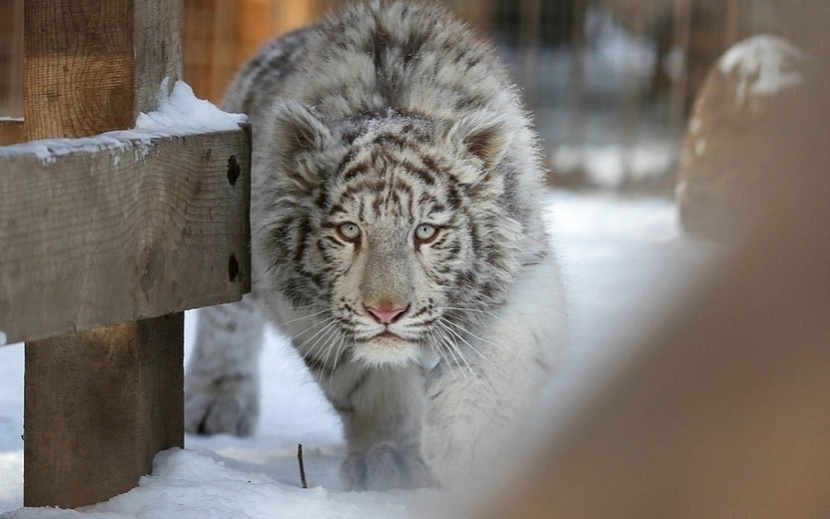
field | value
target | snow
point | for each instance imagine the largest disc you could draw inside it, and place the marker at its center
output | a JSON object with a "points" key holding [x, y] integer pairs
{"points": [[610, 166], [764, 64], [49, 150], [619, 256], [188, 485], [179, 113]]}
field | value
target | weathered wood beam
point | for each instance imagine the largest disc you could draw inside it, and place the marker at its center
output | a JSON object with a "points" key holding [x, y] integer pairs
{"points": [[133, 230]]}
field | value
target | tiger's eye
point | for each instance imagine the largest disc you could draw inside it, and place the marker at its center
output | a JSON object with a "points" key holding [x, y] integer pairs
{"points": [[349, 231], [425, 233]]}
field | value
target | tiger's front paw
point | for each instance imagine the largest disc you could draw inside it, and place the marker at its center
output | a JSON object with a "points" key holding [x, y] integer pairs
{"points": [[385, 466], [228, 404]]}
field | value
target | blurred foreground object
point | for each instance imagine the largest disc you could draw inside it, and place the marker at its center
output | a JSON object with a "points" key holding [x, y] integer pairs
{"points": [[725, 410]]}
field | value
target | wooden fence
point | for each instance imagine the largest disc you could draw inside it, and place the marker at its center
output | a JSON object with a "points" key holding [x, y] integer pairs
{"points": [[104, 243]]}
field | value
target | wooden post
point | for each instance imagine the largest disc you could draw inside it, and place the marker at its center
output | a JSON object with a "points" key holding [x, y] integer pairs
{"points": [[732, 23], [680, 83], [530, 15], [631, 99], [11, 58], [99, 404], [579, 42], [11, 63]]}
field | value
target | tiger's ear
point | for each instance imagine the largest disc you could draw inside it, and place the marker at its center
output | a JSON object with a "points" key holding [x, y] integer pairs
{"points": [[484, 136], [298, 131]]}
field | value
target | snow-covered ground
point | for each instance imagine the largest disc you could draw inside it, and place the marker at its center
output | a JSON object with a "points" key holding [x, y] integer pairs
{"points": [[619, 256]]}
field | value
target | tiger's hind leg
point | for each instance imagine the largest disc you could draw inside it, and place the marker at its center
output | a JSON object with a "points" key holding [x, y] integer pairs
{"points": [[222, 379]]}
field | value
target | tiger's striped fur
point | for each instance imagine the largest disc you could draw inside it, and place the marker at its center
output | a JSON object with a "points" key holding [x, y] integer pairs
{"points": [[396, 214]]}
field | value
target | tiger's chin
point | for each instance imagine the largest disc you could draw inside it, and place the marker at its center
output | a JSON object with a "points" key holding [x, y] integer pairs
{"points": [[387, 349]]}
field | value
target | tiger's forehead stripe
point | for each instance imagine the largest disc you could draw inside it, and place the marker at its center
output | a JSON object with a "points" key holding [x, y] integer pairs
{"points": [[394, 197], [401, 179]]}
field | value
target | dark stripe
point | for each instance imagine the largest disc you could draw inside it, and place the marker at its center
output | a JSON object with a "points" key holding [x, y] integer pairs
{"points": [[343, 408], [403, 469], [303, 232], [430, 163], [372, 186], [357, 385], [422, 173], [229, 379], [412, 46], [356, 170], [316, 365]]}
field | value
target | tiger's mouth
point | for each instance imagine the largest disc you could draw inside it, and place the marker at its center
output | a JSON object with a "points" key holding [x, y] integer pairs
{"points": [[386, 334], [387, 348]]}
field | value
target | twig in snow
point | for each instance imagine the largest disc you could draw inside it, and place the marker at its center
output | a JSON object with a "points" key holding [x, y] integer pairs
{"points": [[302, 465]]}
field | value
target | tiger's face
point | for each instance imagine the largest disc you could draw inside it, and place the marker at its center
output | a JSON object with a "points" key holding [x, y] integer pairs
{"points": [[394, 226]]}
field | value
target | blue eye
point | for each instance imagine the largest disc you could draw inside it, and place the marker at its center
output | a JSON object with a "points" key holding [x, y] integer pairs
{"points": [[349, 231], [425, 233]]}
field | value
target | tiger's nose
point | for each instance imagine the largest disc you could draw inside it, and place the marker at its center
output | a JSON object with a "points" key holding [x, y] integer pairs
{"points": [[386, 312]]}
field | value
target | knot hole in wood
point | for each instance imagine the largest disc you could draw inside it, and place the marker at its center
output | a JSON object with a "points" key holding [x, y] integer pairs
{"points": [[233, 268], [233, 170]]}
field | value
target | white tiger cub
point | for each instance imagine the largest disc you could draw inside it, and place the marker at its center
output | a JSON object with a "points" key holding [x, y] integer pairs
{"points": [[396, 218]]}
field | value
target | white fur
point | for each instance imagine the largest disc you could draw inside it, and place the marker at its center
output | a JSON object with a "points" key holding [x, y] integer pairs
{"points": [[472, 413]]}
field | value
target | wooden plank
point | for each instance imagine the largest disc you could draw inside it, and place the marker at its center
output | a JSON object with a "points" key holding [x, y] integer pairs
{"points": [[223, 36], [289, 15], [78, 67], [11, 132], [11, 58], [253, 28], [576, 108], [115, 420], [530, 31], [679, 97], [102, 237]]}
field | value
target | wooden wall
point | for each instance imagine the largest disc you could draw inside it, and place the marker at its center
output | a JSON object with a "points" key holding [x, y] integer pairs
{"points": [[220, 35], [11, 58]]}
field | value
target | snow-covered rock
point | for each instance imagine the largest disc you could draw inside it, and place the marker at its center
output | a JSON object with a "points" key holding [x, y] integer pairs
{"points": [[728, 139]]}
